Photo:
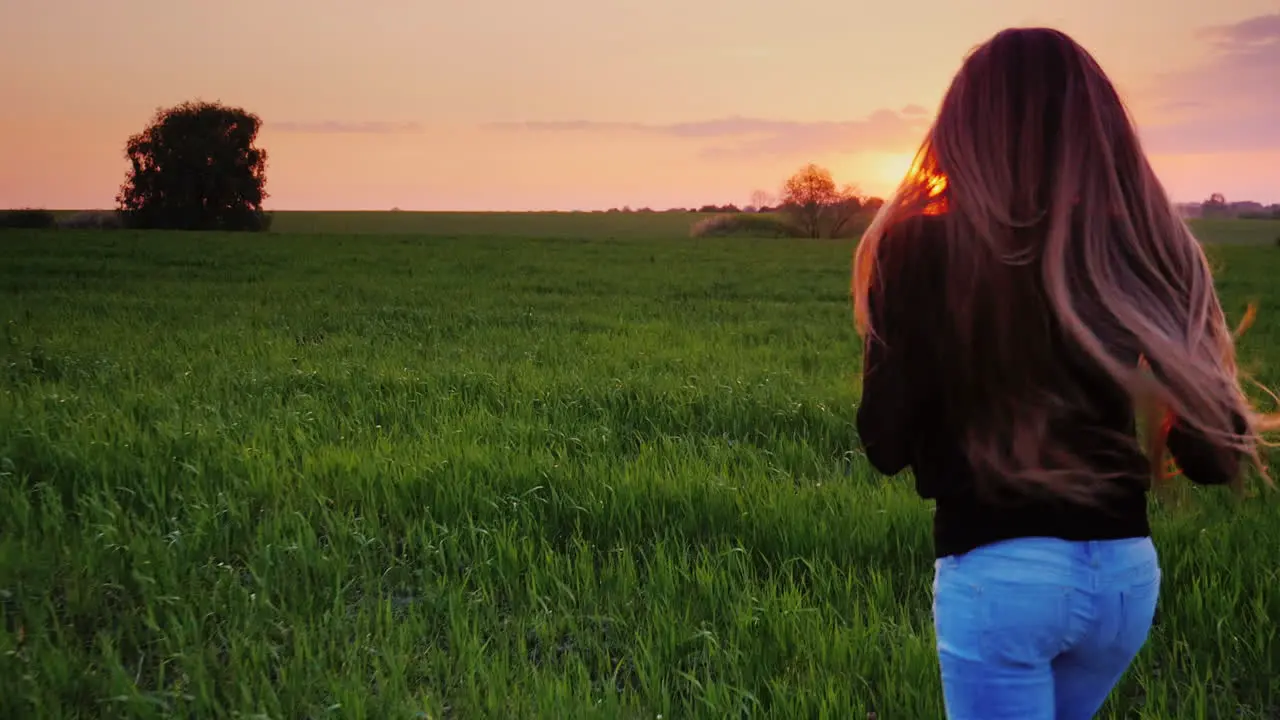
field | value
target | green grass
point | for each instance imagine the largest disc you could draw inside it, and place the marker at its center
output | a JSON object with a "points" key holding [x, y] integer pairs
{"points": [[584, 225], [609, 226], [601, 225], [1238, 232], [397, 476]]}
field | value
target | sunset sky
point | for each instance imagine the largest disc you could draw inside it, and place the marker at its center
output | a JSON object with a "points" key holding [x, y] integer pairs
{"points": [[584, 104]]}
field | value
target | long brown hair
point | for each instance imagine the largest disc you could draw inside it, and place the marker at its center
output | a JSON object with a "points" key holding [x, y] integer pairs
{"points": [[1060, 245]]}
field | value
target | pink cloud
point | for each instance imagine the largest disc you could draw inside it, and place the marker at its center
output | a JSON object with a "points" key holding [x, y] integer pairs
{"points": [[340, 127], [1230, 102], [742, 137]]}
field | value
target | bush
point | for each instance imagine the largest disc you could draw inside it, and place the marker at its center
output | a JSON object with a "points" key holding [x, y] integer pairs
{"points": [[92, 220], [744, 225], [27, 219]]}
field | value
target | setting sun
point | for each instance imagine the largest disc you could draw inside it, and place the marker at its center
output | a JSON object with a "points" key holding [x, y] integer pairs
{"points": [[884, 170], [887, 170]]}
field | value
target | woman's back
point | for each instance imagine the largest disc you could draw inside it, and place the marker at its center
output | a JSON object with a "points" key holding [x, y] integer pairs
{"points": [[903, 420], [1026, 291], [1040, 259]]}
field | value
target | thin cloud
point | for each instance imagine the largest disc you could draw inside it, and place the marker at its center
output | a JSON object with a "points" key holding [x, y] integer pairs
{"points": [[571, 126], [1262, 29], [339, 127], [739, 137], [1231, 101]]}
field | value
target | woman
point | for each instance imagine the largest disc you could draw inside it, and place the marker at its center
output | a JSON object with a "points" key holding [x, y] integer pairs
{"points": [[1025, 292]]}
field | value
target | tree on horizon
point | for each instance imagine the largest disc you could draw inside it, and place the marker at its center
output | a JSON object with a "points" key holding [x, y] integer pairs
{"points": [[195, 167], [813, 202]]}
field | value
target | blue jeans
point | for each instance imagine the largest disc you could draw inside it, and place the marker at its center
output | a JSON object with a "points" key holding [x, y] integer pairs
{"points": [[1040, 628]]}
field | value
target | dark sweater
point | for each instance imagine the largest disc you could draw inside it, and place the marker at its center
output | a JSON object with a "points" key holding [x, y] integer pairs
{"points": [[900, 428]]}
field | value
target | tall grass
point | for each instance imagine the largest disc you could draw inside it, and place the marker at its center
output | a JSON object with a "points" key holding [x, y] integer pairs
{"points": [[397, 477]]}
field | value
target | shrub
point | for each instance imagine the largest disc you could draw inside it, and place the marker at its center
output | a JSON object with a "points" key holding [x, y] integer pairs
{"points": [[92, 220], [27, 219], [744, 225]]}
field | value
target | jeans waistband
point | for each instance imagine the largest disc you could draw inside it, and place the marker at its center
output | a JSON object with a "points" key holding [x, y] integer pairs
{"points": [[1054, 559]]}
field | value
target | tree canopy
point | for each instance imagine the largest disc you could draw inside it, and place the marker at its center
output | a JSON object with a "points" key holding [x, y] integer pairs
{"points": [[816, 205], [195, 167]]}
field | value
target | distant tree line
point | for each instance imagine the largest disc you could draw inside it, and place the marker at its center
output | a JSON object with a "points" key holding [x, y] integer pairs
{"points": [[728, 208], [1216, 206], [39, 219], [810, 205]]}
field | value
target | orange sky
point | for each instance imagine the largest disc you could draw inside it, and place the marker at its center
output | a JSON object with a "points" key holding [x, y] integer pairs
{"points": [[580, 104]]}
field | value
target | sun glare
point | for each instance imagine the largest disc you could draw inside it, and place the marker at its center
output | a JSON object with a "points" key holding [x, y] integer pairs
{"points": [[885, 171], [891, 168]]}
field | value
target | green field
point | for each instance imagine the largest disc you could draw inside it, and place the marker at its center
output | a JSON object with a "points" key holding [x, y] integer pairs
{"points": [[601, 225], [501, 466], [593, 225], [607, 226]]}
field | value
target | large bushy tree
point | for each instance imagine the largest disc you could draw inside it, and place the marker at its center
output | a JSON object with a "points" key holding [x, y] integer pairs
{"points": [[813, 202], [195, 167]]}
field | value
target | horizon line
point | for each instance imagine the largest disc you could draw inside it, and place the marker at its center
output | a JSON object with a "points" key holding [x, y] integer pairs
{"points": [[517, 211]]}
